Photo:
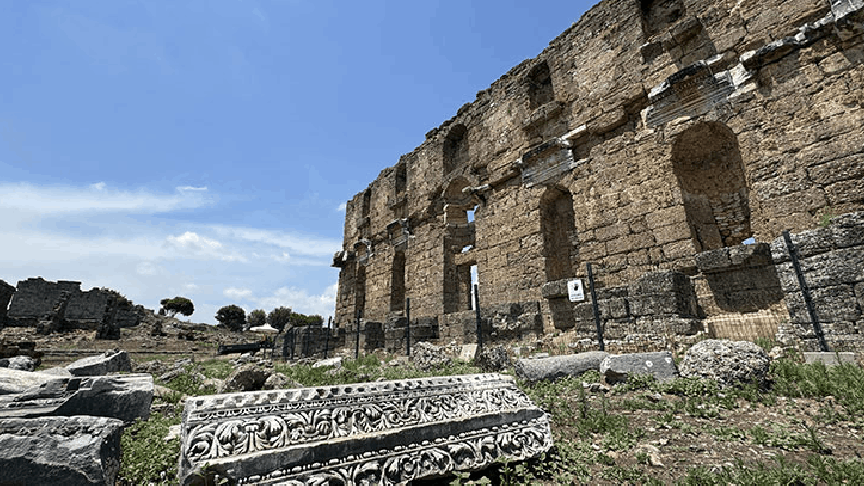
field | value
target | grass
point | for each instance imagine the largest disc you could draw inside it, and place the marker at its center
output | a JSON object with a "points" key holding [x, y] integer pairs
{"points": [[147, 457], [596, 438]]}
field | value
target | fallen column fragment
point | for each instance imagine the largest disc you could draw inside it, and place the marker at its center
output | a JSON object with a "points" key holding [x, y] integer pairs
{"points": [[388, 432]]}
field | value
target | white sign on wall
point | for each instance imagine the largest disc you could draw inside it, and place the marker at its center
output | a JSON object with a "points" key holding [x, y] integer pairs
{"points": [[575, 291]]}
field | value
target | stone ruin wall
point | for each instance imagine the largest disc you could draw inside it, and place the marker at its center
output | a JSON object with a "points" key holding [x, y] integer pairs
{"points": [[102, 310], [648, 133]]}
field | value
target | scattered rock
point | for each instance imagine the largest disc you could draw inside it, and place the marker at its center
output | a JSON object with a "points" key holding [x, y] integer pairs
{"points": [[493, 359], [336, 363], [728, 362], [556, 367], [60, 450], [617, 367], [777, 352], [278, 381], [468, 352], [173, 433], [427, 356], [111, 362], [20, 363], [246, 378]]}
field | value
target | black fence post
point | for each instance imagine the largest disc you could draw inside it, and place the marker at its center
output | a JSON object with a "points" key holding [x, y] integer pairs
{"points": [[595, 308], [327, 337], [408, 327], [357, 344], [477, 317], [808, 300]]}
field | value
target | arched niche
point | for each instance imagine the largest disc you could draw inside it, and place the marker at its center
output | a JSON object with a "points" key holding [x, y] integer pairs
{"points": [[707, 162]]}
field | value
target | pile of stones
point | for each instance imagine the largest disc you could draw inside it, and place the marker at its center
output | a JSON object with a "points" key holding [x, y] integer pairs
{"points": [[63, 425]]}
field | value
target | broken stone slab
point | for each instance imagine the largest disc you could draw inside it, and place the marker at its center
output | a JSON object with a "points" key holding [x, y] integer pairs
{"points": [[830, 359], [557, 367], [124, 397], [60, 450], [109, 362], [390, 432], [17, 381], [616, 368]]}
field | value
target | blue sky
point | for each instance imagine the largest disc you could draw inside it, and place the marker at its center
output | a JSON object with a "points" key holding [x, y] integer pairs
{"points": [[206, 148]]}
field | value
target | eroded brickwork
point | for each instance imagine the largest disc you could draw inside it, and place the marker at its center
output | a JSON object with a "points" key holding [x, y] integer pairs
{"points": [[646, 134]]}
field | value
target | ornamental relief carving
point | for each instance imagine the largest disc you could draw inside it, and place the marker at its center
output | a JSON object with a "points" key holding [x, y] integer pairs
{"points": [[416, 461], [267, 432]]}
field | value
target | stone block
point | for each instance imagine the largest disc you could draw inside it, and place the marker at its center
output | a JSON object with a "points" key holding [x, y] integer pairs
{"points": [[109, 362], [391, 432], [554, 289], [124, 397], [616, 368], [557, 367], [830, 359], [848, 230], [72, 451]]}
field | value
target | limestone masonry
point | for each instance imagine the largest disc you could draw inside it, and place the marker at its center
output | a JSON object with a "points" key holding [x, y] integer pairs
{"points": [[668, 143], [55, 306]]}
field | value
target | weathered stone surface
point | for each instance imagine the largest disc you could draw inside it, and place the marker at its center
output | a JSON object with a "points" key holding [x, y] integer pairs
{"points": [[427, 356], [17, 381], [390, 432], [616, 368], [247, 378], [60, 450], [124, 397], [728, 362], [103, 310], [830, 359], [109, 362], [20, 363], [493, 359], [556, 367], [717, 129]]}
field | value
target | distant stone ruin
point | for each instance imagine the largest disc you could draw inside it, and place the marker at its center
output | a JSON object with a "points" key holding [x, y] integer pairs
{"points": [[57, 306], [654, 140]]}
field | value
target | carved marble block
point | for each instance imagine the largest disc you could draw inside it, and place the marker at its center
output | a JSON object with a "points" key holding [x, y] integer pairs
{"points": [[389, 432]]}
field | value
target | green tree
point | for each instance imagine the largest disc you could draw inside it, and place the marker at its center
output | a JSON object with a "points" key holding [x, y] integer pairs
{"points": [[304, 320], [177, 305], [279, 317], [257, 318], [231, 316]]}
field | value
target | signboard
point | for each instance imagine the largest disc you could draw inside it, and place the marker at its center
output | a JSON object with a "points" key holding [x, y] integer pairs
{"points": [[575, 291]]}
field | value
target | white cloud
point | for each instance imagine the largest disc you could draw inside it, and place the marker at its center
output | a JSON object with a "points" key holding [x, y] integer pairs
{"points": [[235, 293], [299, 244], [299, 300], [149, 268], [191, 188], [283, 258], [342, 206], [193, 243], [96, 198]]}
